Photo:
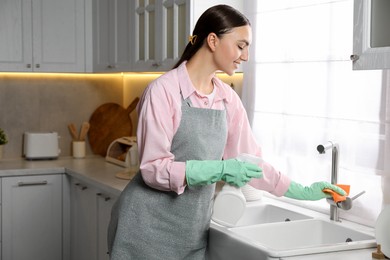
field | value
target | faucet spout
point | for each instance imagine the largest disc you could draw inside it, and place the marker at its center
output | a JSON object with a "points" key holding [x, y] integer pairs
{"points": [[321, 148], [334, 214]]}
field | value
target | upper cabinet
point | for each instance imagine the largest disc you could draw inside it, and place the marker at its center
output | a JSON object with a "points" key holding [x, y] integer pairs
{"points": [[160, 33], [97, 35], [42, 35], [371, 35], [108, 35]]}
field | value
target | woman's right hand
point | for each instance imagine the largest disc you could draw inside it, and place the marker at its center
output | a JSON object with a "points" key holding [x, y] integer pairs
{"points": [[231, 171]]}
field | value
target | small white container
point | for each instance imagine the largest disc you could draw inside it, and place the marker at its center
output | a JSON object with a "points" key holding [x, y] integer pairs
{"points": [[229, 206], [78, 149]]}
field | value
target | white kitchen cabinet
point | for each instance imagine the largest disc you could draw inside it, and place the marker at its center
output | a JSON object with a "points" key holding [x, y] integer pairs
{"points": [[371, 35], [108, 35], [32, 217], [90, 215], [42, 35], [83, 221], [160, 29], [104, 206]]}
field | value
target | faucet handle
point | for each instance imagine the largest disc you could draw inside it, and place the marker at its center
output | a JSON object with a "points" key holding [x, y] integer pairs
{"points": [[358, 195], [347, 204]]}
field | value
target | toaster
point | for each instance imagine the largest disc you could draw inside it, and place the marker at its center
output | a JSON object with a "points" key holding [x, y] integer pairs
{"points": [[39, 146]]}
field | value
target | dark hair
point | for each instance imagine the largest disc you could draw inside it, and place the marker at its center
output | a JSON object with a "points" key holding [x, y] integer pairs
{"points": [[218, 19]]}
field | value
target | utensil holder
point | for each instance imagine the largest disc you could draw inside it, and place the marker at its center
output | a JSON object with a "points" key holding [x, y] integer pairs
{"points": [[78, 149]]}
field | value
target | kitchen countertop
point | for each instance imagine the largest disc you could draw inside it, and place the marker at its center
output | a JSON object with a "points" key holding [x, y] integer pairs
{"points": [[92, 169]]}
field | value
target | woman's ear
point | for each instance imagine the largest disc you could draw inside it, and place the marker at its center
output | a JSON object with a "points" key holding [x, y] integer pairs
{"points": [[212, 41]]}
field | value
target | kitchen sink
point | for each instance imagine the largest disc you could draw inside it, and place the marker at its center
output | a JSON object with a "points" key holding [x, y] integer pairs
{"points": [[275, 230], [267, 213], [304, 237], [282, 239]]}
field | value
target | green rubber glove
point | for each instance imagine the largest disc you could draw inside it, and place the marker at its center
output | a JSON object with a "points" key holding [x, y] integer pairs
{"points": [[232, 171], [314, 192]]}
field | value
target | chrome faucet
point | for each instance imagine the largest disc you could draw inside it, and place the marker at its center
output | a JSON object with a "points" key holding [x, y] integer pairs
{"points": [[334, 213], [346, 204]]}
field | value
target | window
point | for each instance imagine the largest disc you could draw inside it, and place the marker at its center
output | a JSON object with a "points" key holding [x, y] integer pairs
{"points": [[300, 91]]}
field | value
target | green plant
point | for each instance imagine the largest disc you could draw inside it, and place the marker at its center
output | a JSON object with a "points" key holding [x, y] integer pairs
{"points": [[3, 137]]}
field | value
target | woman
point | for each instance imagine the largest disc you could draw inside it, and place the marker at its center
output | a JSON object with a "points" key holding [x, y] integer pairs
{"points": [[189, 121]]}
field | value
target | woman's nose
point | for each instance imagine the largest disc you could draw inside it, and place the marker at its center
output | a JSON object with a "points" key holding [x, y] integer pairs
{"points": [[245, 55]]}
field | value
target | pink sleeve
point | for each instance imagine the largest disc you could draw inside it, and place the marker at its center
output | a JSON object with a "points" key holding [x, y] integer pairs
{"points": [[158, 118], [272, 181]]}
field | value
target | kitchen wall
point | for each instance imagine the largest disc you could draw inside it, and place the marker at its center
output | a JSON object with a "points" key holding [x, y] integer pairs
{"points": [[49, 102]]}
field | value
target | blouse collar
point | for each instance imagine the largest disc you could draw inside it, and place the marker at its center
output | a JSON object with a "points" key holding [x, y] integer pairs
{"points": [[187, 88]]}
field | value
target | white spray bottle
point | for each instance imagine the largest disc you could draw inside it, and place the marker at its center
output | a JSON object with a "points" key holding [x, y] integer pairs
{"points": [[229, 205]]}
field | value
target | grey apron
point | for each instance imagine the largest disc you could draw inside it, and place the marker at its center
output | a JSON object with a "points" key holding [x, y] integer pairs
{"points": [[151, 224]]}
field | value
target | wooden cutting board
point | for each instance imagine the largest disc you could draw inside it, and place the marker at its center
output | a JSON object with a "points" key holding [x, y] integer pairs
{"points": [[109, 122]]}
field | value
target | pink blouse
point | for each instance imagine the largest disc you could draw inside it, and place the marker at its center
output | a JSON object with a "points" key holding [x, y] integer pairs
{"points": [[159, 115]]}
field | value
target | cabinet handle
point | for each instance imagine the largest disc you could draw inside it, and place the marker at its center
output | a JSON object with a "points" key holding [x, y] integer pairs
{"points": [[33, 183], [354, 57], [37, 66], [81, 187], [105, 198], [156, 65], [28, 66]]}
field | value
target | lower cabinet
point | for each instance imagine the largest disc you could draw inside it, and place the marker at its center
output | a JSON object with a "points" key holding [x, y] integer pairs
{"points": [[90, 214], [53, 217], [105, 203], [32, 216]]}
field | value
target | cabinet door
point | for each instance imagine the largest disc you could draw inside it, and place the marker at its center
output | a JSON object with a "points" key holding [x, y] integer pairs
{"points": [[83, 221], [32, 217], [105, 203], [161, 28], [42, 35], [15, 35], [174, 19], [144, 34], [58, 35], [112, 36], [371, 35]]}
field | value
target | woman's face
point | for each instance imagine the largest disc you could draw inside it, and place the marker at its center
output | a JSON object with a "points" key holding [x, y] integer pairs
{"points": [[232, 49]]}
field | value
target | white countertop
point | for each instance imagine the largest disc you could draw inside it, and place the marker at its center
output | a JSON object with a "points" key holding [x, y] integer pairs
{"points": [[94, 169]]}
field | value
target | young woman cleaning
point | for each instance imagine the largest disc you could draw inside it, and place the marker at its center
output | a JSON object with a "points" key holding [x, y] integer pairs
{"points": [[191, 128]]}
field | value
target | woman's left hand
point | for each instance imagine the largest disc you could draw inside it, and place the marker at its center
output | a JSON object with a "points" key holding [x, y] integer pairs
{"points": [[314, 192]]}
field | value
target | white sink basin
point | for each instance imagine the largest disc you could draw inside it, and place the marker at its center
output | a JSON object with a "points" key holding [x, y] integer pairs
{"points": [[302, 237], [267, 213], [264, 233]]}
